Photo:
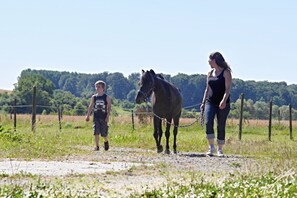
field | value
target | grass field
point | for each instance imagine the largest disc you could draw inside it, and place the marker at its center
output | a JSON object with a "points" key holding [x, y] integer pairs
{"points": [[49, 142]]}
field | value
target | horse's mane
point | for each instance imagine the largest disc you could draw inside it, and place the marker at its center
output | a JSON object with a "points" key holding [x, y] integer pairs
{"points": [[160, 76]]}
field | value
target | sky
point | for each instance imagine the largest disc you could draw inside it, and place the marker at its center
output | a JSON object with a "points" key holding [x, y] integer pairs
{"points": [[257, 38]]}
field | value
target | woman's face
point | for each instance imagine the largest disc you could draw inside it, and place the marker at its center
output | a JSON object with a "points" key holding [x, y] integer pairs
{"points": [[211, 62]]}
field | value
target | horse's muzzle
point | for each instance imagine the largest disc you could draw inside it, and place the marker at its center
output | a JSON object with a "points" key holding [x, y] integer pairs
{"points": [[141, 97]]}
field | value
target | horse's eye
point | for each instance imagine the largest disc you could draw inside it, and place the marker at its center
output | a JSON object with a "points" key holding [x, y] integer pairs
{"points": [[138, 83]]}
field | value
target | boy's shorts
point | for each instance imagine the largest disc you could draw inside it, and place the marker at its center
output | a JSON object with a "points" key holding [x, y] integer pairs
{"points": [[100, 127]]}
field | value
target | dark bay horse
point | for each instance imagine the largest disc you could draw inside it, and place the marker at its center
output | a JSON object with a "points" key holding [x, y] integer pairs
{"points": [[166, 102]]}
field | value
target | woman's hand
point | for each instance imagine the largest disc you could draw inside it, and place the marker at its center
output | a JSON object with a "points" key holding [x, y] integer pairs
{"points": [[202, 107], [222, 105]]}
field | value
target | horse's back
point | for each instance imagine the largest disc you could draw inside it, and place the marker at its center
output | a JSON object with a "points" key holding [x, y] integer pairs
{"points": [[176, 100], [168, 100]]}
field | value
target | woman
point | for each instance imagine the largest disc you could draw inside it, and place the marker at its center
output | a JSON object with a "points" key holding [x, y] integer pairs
{"points": [[216, 101]]}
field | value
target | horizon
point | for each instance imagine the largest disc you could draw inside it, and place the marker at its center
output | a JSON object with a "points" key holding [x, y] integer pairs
{"points": [[126, 76]]}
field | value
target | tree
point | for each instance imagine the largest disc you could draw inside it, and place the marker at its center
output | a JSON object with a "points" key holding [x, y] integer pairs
{"points": [[70, 85], [44, 91], [284, 112], [261, 110], [131, 95], [120, 85], [80, 109], [134, 79], [61, 98]]}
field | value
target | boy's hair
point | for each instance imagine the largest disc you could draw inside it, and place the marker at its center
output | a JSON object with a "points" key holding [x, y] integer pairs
{"points": [[102, 83]]}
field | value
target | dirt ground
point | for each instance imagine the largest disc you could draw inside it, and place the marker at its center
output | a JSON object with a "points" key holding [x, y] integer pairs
{"points": [[122, 171]]}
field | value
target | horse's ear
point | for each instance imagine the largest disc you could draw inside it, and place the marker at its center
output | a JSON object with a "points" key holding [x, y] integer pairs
{"points": [[142, 71], [152, 72]]}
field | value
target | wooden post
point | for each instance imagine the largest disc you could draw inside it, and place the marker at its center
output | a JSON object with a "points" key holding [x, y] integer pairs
{"points": [[59, 118], [241, 116], [291, 131], [14, 115], [132, 120], [61, 112], [270, 121], [33, 109]]}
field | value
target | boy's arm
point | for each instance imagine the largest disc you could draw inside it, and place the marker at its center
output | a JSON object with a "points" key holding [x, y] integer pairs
{"points": [[108, 108], [90, 108]]}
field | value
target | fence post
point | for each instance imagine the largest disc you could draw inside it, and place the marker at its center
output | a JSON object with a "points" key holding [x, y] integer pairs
{"points": [[33, 109], [14, 115], [290, 114], [132, 120], [241, 117], [61, 112], [270, 118], [59, 118]]}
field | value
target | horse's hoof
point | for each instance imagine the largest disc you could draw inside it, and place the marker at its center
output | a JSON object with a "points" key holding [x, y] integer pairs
{"points": [[167, 151], [160, 149], [175, 152]]}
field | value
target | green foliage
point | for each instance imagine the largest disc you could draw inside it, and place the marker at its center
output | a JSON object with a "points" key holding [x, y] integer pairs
{"points": [[44, 90], [76, 138], [189, 114], [127, 105], [8, 135], [79, 109], [66, 89], [268, 185]]}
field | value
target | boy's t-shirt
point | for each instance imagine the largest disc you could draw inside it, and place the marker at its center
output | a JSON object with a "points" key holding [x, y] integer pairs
{"points": [[100, 106]]}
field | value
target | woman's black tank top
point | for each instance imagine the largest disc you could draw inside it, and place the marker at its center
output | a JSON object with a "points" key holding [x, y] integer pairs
{"points": [[217, 85]]}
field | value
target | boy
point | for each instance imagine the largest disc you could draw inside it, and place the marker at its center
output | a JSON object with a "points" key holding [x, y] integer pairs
{"points": [[101, 106]]}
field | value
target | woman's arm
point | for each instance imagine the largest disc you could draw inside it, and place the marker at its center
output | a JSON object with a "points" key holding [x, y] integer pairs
{"points": [[228, 82]]}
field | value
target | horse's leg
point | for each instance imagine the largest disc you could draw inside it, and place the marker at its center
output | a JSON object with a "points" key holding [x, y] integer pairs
{"points": [[167, 134], [160, 135], [175, 130], [157, 131]]}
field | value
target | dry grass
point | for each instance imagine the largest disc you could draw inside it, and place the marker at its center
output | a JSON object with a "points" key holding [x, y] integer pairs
{"points": [[125, 119], [5, 91], [261, 123]]}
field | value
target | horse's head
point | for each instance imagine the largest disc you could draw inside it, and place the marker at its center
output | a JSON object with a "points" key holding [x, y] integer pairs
{"points": [[147, 84]]}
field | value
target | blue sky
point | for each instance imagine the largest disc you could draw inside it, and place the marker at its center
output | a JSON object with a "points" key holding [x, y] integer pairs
{"points": [[257, 38]]}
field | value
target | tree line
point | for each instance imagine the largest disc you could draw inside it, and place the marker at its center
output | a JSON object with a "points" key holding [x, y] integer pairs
{"points": [[72, 91]]}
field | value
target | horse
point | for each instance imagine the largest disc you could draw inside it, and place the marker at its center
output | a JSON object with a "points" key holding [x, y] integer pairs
{"points": [[166, 103]]}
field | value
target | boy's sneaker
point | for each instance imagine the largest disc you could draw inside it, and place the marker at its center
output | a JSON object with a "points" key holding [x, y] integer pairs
{"points": [[211, 151], [220, 153], [106, 145], [96, 148]]}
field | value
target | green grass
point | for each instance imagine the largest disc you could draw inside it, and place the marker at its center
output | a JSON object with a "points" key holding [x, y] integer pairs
{"points": [[76, 137], [268, 185], [48, 141]]}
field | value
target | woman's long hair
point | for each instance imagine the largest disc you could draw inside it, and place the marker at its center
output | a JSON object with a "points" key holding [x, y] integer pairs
{"points": [[218, 57]]}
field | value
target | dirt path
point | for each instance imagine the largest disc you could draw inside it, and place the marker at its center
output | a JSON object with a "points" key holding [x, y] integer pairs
{"points": [[122, 171]]}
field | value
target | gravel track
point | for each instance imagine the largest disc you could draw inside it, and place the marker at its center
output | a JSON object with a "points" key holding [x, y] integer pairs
{"points": [[127, 170]]}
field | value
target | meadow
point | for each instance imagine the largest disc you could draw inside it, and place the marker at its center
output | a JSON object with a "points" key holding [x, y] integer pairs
{"points": [[274, 175]]}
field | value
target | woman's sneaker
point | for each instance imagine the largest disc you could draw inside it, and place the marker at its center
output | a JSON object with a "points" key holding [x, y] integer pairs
{"points": [[211, 151], [220, 153], [96, 148]]}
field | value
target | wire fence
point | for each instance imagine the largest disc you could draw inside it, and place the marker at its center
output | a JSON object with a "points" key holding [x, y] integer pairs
{"points": [[147, 114]]}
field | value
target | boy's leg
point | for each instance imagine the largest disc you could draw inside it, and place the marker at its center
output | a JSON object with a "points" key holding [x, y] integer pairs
{"points": [[104, 133], [96, 134], [106, 144], [97, 142]]}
